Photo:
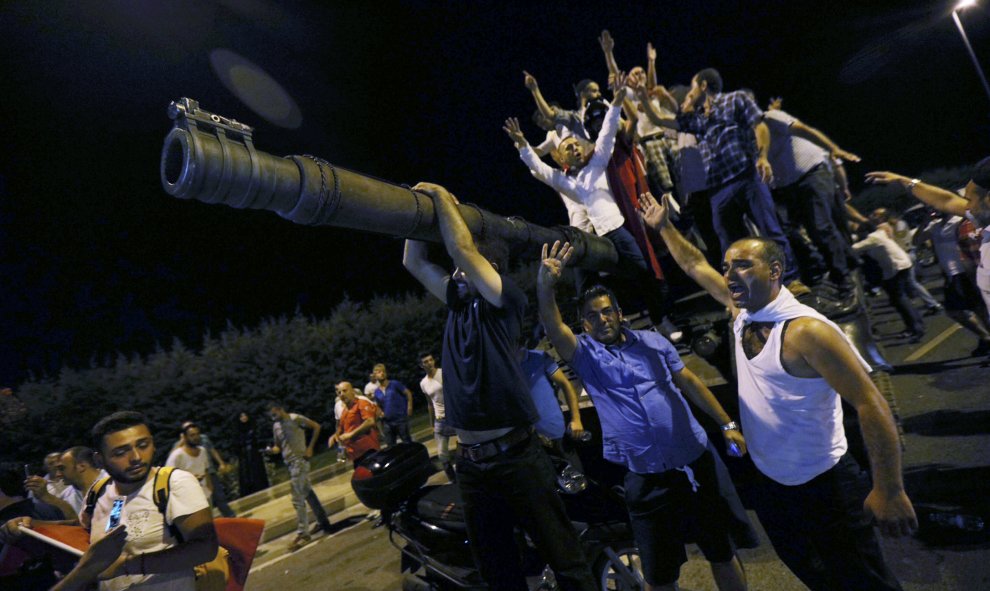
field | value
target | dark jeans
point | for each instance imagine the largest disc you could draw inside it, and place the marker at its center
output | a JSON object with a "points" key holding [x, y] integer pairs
{"points": [[220, 496], [748, 195], [820, 532], [518, 488], [318, 511], [897, 288], [807, 204], [396, 428]]}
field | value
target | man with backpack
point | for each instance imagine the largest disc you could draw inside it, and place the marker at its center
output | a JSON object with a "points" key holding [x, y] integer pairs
{"points": [[168, 520]]}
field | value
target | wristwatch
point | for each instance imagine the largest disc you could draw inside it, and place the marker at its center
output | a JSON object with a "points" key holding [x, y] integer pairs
{"points": [[730, 426], [911, 185]]}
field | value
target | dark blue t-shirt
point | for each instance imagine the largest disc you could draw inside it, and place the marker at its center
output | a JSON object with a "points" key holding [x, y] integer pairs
{"points": [[483, 385], [393, 400]]}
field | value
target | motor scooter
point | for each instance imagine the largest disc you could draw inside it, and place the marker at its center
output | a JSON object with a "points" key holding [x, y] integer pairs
{"points": [[426, 524]]}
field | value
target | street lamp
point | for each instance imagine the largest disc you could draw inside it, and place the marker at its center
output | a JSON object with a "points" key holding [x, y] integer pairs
{"points": [[963, 5]]}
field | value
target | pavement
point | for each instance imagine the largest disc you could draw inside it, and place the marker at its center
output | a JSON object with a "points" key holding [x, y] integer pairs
{"points": [[944, 405]]}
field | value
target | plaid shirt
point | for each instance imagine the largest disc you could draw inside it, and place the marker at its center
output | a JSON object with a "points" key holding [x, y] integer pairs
{"points": [[725, 136]]}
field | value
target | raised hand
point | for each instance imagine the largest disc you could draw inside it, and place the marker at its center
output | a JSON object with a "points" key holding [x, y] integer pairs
{"points": [[552, 261], [883, 177], [847, 156], [512, 129], [530, 81], [619, 88], [606, 41], [651, 52], [775, 103], [655, 215]]}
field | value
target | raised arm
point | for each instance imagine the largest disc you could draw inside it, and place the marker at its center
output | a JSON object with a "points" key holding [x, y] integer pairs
{"points": [[651, 67], [651, 111], [551, 269], [829, 354], [608, 47], [541, 103], [937, 197], [460, 244], [39, 487], [688, 257], [814, 136], [570, 396], [432, 276]]}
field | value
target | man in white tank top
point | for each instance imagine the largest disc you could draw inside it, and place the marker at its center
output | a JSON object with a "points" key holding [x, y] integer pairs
{"points": [[793, 365]]}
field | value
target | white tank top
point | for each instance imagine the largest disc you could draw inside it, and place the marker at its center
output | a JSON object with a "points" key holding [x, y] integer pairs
{"points": [[793, 426]]}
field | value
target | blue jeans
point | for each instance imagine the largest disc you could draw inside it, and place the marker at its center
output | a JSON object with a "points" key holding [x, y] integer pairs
{"points": [[747, 194], [396, 428], [302, 493]]}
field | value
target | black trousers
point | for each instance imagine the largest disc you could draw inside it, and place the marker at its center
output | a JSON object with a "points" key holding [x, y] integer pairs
{"points": [[807, 204], [820, 532], [897, 288], [518, 488]]}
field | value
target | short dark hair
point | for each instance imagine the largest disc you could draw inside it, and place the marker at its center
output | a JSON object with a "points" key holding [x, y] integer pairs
{"points": [[426, 354], [595, 292], [580, 86], [81, 453], [118, 421], [981, 174], [495, 252], [712, 77]]}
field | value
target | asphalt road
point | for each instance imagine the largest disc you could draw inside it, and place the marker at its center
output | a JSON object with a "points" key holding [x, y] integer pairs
{"points": [[943, 397]]}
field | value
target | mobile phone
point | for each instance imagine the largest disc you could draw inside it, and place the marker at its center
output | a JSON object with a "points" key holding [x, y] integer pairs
{"points": [[27, 471], [114, 519]]}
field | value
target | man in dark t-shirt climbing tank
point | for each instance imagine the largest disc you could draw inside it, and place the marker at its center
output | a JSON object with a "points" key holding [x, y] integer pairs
{"points": [[501, 469]]}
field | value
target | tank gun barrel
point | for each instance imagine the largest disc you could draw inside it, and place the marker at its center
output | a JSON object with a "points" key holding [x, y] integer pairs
{"points": [[212, 159]]}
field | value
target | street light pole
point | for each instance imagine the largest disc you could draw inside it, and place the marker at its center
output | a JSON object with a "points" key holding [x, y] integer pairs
{"points": [[976, 63]]}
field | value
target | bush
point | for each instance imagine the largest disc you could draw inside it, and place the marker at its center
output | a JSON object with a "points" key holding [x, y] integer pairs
{"points": [[293, 359]]}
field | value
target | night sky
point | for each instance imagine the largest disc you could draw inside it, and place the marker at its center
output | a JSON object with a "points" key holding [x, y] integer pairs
{"points": [[96, 259]]}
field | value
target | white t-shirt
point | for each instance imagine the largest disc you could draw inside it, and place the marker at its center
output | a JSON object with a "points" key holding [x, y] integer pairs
{"points": [[433, 387], [147, 531], [882, 248], [370, 388], [195, 465]]}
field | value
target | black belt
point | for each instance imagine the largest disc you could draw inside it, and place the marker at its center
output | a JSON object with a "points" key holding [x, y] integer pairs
{"points": [[479, 452]]}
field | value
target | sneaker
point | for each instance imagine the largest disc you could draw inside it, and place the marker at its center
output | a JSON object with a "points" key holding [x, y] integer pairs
{"points": [[797, 288], [933, 310], [916, 337], [670, 330], [300, 541]]}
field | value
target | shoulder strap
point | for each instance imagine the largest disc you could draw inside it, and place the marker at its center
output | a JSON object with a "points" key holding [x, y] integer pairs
{"points": [[94, 493], [160, 494], [163, 479]]}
